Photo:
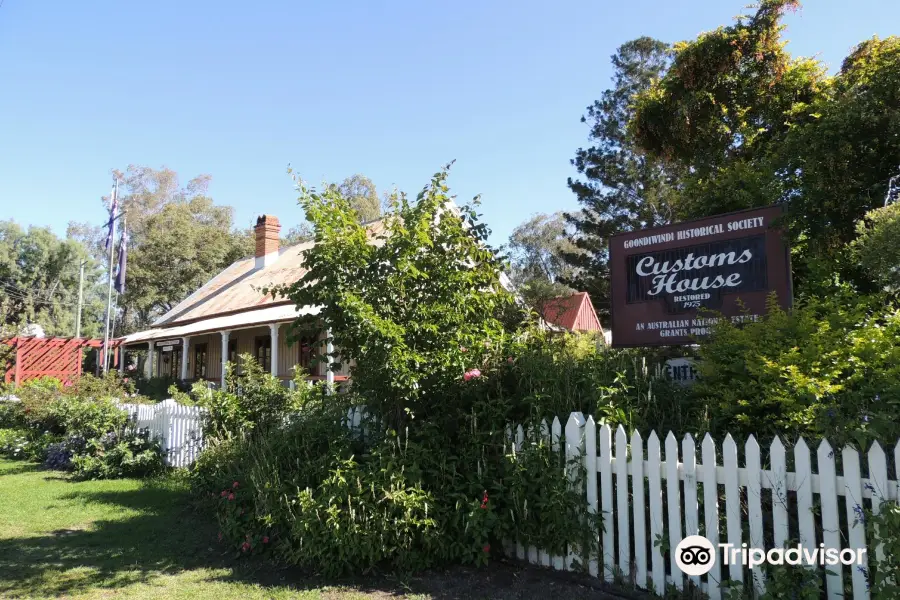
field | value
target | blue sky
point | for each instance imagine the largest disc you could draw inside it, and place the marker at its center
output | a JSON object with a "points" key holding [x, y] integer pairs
{"points": [[392, 90]]}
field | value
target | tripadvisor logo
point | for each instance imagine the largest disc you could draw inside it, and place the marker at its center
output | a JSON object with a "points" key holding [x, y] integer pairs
{"points": [[695, 555]]}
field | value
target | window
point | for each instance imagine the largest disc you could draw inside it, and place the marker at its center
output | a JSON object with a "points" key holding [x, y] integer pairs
{"points": [[170, 363], [200, 361], [264, 353], [307, 351]]}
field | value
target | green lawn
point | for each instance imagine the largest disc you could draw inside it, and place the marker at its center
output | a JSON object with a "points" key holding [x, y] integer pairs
{"points": [[133, 539]]}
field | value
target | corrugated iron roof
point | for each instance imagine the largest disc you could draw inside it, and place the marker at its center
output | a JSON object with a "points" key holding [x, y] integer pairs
{"points": [[252, 318], [575, 313], [237, 287]]}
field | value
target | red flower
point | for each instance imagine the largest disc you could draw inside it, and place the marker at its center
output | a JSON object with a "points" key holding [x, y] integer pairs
{"points": [[230, 497], [124, 380], [510, 360], [484, 500], [265, 539], [245, 546], [487, 548], [235, 485], [463, 350], [224, 493], [472, 374]]}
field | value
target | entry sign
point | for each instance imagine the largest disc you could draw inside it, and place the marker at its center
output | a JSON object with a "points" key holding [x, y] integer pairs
{"points": [[661, 278], [682, 371]]}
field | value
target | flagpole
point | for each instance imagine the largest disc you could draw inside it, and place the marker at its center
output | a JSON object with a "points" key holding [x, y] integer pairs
{"points": [[110, 286]]}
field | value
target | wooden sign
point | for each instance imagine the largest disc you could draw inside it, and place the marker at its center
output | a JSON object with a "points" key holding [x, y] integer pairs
{"points": [[662, 279]]}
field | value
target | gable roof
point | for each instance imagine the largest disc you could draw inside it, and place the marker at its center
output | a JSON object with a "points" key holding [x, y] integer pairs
{"points": [[233, 300], [237, 288], [575, 313]]}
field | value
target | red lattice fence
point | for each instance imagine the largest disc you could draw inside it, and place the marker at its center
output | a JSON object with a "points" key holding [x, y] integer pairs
{"points": [[47, 357]]}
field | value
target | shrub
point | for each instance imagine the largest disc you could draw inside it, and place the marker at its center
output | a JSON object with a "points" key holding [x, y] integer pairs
{"points": [[37, 394], [59, 455], [553, 375], [884, 570], [25, 444], [250, 400], [429, 329], [14, 443], [12, 414], [131, 453], [88, 418], [830, 368], [110, 386]]}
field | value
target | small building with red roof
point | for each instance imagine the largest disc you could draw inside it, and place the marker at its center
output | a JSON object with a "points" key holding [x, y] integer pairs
{"points": [[572, 313]]}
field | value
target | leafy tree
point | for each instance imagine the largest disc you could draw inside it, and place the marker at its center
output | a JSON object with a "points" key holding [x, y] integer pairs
{"points": [[877, 246], [297, 234], [622, 188], [180, 247], [537, 250], [360, 192], [745, 125], [838, 162], [362, 195], [39, 282], [405, 309], [178, 239]]}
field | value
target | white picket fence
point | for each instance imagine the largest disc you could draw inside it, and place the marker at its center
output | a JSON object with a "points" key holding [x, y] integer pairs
{"points": [[627, 480], [178, 428]]}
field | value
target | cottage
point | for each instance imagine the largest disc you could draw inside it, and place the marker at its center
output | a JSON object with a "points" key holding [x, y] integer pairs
{"points": [[230, 316]]}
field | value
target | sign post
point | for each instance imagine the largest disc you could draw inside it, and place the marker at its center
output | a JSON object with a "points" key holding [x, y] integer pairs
{"points": [[671, 284]]}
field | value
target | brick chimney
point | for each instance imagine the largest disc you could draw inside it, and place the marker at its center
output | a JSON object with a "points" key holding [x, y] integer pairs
{"points": [[267, 242]]}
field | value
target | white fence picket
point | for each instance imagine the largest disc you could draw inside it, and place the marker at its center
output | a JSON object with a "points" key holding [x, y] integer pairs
{"points": [[624, 528], [805, 517], [711, 513], [590, 467], [732, 504], [834, 580], [606, 501], [520, 440], [574, 453], [854, 502], [557, 561], [543, 555], [778, 480], [754, 505], [673, 501], [640, 518], [691, 522], [878, 486], [654, 472], [533, 438]]}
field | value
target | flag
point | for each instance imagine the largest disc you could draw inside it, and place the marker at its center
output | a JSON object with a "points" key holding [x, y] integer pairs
{"points": [[120, 268], [112, 219]]}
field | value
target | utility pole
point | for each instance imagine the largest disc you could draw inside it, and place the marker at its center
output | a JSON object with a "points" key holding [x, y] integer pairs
{"points": [[80, 300], [112, 245]]}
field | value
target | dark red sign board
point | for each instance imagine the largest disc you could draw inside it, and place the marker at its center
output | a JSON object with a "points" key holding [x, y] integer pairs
{"points": [[663, 278]]}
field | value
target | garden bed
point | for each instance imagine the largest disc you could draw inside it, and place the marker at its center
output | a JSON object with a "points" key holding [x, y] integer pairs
{"points": [[140, 539]]}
